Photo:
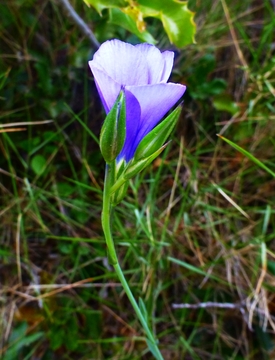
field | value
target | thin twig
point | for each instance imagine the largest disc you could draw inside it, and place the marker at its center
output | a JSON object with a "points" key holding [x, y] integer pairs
{"points": [[208, 304], [242, 306], [70, 11], [69, 286], [233, 35], [17, 246], [24, 123]]}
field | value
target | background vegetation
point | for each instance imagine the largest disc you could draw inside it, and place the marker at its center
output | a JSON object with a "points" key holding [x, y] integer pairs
{"points": [[196, 230]]}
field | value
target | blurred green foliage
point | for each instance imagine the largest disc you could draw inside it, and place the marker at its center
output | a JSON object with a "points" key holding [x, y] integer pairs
{"points": [[177, 20], [51, 192]]}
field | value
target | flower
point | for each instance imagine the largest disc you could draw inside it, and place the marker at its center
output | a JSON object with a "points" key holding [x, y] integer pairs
{"points": [[142, 71]]}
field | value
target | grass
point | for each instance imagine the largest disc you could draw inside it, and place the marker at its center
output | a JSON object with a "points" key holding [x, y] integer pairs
{"points": [[195, 232]]}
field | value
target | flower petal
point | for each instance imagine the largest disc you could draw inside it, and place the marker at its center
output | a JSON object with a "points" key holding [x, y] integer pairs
{"points": [[168, 58], [108, 89], [133, 112], [155, 101], [133, 65], [159, 65], [142, 71]]}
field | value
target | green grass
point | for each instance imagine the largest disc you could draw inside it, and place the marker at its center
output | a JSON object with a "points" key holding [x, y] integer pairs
{"points": [[182, 233]]}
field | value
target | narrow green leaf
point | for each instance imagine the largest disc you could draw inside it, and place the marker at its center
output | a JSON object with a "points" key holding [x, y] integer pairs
{"points": [[196, 270], [3, 78], [143, 309], [152, 347], [247, 154]]}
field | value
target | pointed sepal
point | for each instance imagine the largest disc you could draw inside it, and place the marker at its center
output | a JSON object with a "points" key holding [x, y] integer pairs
{"points": [[113, 131], [135, 167], [157, 137], [120, 186], [120, 193]]}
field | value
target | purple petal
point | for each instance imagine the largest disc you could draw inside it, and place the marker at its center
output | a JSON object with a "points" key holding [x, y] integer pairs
{"points": [[142, 71], [133, 65], [168, 57], [155, 101], [158, 65], [133, 113], [107, 88]]}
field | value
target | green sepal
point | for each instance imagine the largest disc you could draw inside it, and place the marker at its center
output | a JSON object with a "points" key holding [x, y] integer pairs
{"points": [[113, 131], [119, 168], [157, 137], [120, 193], [134, 167], [120, 185]]}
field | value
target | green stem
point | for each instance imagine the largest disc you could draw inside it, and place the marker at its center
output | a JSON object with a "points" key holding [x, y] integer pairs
{"points": [[106, 214], [106, 225]]}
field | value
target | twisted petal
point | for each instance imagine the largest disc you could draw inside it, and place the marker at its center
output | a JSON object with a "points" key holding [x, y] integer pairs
{"points": [[168, 58], [133, 113], [108, 89], [157, 65], [142, 71], [133, 65], [155, 101]]}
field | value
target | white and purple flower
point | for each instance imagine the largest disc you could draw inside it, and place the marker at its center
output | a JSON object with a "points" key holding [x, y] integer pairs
{"points": [[142, 71]]}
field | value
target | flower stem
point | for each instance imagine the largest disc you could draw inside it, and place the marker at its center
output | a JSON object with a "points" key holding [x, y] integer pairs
{"points": [[106, 225], [106, 214]]}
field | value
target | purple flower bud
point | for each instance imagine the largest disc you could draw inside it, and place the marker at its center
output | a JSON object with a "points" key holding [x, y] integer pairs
{"points": [[142, 71]]}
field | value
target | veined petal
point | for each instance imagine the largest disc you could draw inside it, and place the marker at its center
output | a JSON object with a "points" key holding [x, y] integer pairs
{"points": [[133, 112], [155, 101], [158, 65], [108, 89], [118, 58], [168, 58]]}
